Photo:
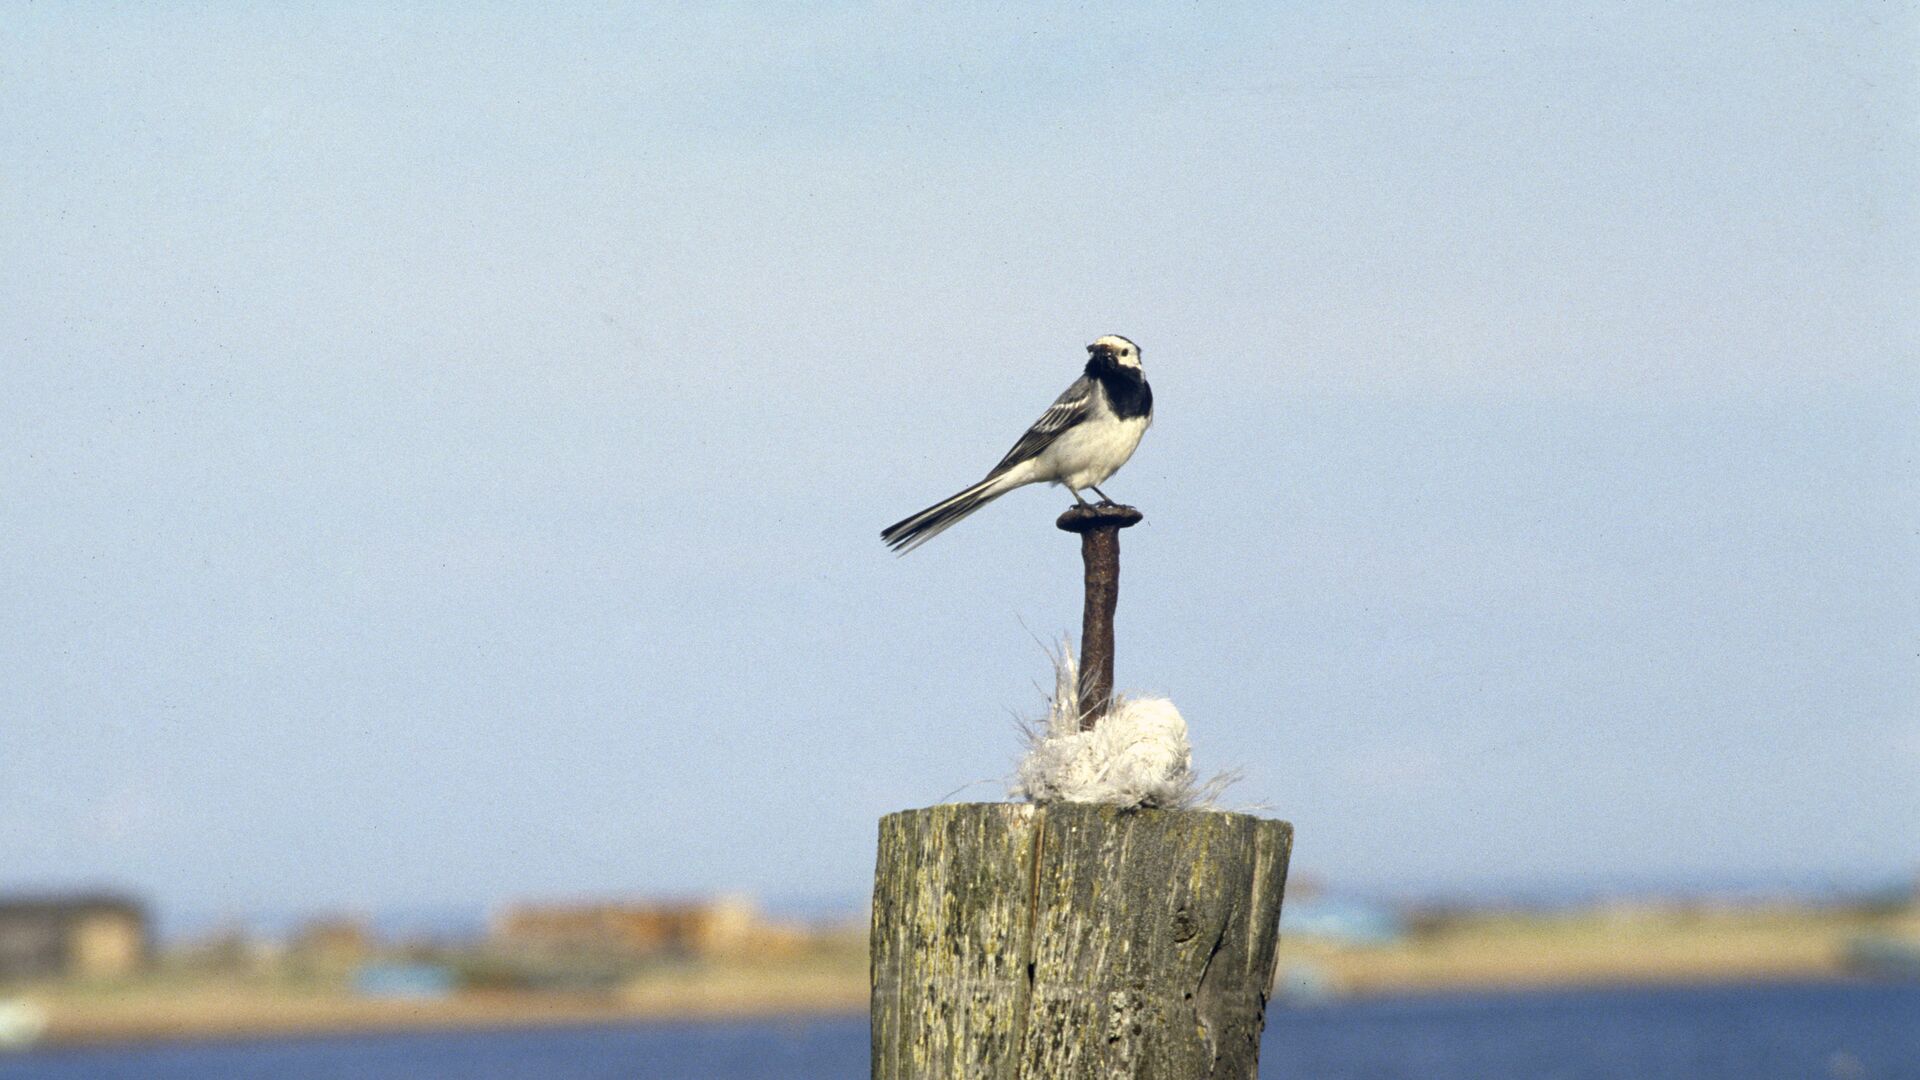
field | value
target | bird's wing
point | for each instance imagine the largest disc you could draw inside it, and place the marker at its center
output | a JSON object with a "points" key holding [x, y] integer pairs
{"points": [[1067, 410]]}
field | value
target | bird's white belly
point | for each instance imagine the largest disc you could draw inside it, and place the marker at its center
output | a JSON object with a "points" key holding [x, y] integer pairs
{"points": [[1086, 454]]}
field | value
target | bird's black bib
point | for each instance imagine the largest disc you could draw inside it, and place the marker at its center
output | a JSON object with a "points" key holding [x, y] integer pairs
{"points": [[1127, 389]]}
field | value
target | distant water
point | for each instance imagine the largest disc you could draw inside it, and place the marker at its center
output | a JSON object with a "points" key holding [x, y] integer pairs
{"points": [[1816, 1032]]}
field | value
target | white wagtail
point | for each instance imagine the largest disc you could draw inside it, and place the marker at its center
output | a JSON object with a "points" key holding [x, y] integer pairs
{"points": [[1088, 433]]}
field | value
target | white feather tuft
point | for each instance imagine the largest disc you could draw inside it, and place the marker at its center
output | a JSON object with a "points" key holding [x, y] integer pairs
{"points": [[1136, 756]]}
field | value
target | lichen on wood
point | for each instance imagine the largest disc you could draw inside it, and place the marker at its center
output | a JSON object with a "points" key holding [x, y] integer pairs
{"points": [[1064, 941]]}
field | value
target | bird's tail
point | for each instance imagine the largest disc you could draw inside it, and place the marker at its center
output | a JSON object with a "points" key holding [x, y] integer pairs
{"points": [[904, 536]]}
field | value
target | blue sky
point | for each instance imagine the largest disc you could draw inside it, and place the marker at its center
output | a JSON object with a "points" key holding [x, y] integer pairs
{"points": [[442, 453]]}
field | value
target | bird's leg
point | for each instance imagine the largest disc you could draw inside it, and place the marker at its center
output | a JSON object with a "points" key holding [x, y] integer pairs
{"points": [[1104, 501], [1076, 495]]}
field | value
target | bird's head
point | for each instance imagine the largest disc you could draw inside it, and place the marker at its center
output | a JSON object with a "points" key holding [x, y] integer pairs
{"points": [[1117, 349]]}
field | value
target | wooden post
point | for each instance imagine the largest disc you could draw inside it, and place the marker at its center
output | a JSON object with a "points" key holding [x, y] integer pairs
{"points": [[1019, 942], [1067, 941], [1099, 528]]}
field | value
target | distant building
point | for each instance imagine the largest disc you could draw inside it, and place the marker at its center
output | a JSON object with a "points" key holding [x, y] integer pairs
{"points": [[227, 948], [87, 936], [334, 942], [703, 928]]}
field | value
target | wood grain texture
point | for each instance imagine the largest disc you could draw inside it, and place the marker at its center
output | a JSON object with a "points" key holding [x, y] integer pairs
{"points": [[1013, 941]]}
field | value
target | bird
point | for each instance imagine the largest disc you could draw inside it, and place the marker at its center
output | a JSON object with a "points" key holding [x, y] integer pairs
{"points": [[1082, 439]]}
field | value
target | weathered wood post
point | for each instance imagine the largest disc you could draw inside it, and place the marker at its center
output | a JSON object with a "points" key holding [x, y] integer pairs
{"points": [[1052, 942], [1069, 941]]}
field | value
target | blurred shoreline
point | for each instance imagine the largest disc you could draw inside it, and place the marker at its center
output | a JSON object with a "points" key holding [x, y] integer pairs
{"points": [[219, 1015], [1479, 952]]}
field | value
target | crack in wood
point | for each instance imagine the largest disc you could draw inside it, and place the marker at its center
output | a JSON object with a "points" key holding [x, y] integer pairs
{"points": [[1023, 1005], [1199, 997]]}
